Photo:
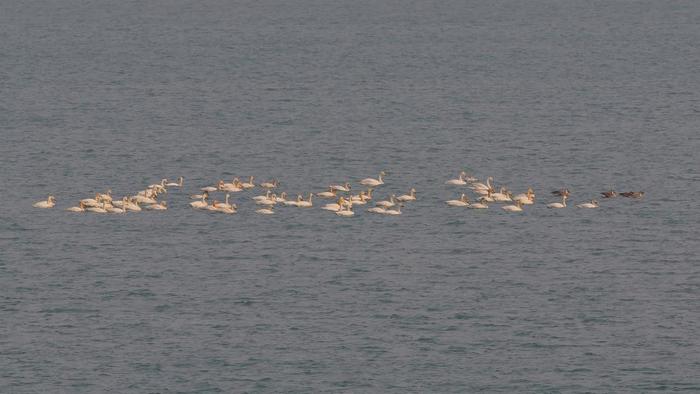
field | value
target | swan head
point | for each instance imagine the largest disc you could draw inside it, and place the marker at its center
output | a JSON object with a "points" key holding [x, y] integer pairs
{"points": [[51, 199]]}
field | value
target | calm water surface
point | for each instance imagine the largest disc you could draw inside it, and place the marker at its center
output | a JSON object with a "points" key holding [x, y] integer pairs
{"points": [[580, 94]]}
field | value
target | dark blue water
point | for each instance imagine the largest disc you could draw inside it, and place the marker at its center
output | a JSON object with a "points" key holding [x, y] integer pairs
{"points": [[587, 95]]}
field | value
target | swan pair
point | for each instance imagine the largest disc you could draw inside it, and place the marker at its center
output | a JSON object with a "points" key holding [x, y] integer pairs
{"points": [[386, 211]]}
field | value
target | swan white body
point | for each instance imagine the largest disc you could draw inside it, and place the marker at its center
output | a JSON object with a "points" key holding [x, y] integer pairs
{"points": [[525, 198], [102, 209], [512, 208], [590, 205], [179, 183], [269, 185], [265, 211], [476, 186], [133, 206], [119, 206], [145, 200], [393, 212], [50, 202], [327, 194], [162, 206], [459, 181], [281, 198], [343, 188], [347, 212], [267, 202], [373, 182], [377, 210], [248, 185], [462, 202], [332, 207], [501, 196], [561, 204], [411, 196], [79, 208], [228, 210], [387, 203], [478, 205], [199, 204], [306, 203], [265, 197]]}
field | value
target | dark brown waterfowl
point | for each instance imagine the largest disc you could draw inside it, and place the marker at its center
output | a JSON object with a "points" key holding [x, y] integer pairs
{"points": [[561, 192], [609, 194], [632, 194]]}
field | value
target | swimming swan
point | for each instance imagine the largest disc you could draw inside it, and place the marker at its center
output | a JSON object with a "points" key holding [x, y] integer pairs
{"points": [[50, 202]]}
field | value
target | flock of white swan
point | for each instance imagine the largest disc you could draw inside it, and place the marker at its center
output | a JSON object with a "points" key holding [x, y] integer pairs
{"points": [[343, 199]]}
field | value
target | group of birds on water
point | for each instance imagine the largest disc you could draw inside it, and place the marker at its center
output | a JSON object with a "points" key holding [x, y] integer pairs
{"points": [[341, 194]]}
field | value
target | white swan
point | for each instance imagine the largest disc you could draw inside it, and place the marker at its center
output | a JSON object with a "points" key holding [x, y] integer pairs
{"points": [[265, 211], [347, 212], [79, 208], [120, 209], [234, 186], [462, 202], [592, 204], [50, 202], [377, 210], [525, 198], [411, 196], [335, 207], [249, 184], [270, 184], [266, 196], [293, 203], [517, 207], [561, 204], [161, 206], [200, 204], [200, 196], [479, 205], [372, 181], [102, 209], [179, 183], [91, 202], [219, 186], [387, 203], [480, 186], [158, 185], [145, 200], [327, 194], [228, 210], [281, 198], [267, 202], [502, 196], [225, 204], [343, 188], [133, 206], [306, 203], [459, 181], [393, 212], [360, 199]]}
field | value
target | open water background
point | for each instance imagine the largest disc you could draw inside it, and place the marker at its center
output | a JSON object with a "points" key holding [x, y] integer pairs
{"points": [[580, 94]]}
